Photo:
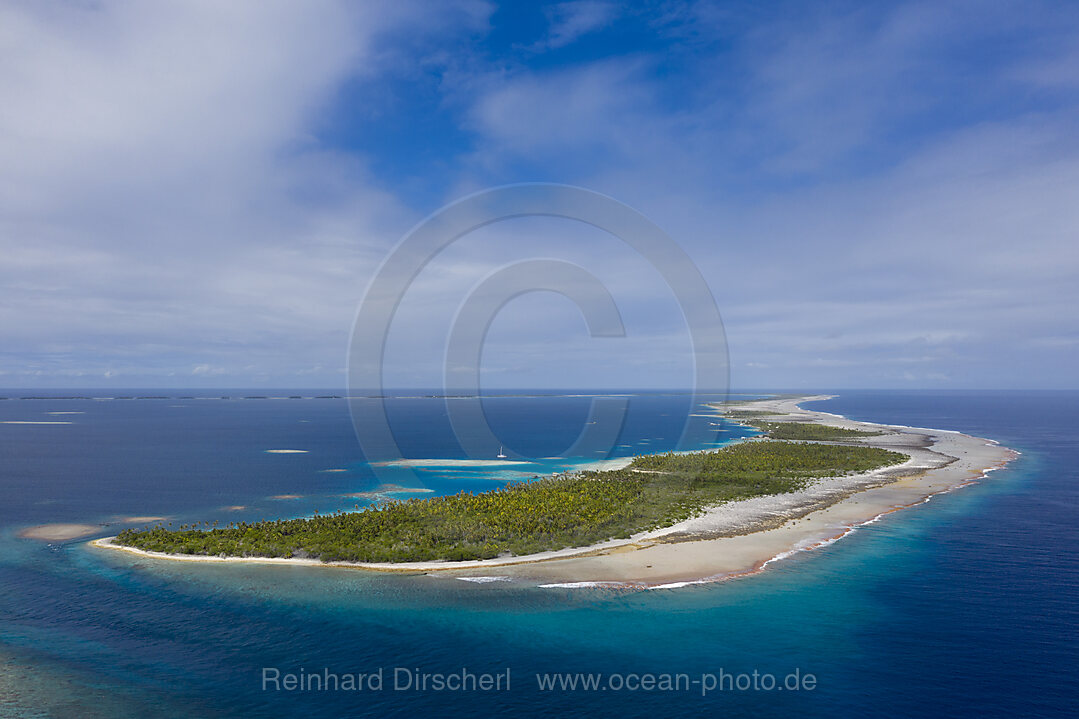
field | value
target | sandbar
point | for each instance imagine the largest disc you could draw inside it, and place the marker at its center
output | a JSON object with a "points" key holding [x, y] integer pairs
{"points": [[385, 489], [449, 463], [59, 532]]}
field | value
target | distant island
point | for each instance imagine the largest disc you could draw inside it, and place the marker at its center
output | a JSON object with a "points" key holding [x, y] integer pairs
{"points": [[805, 472]]}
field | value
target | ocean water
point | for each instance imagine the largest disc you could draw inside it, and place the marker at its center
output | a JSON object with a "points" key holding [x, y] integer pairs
{"points": [[966, 605]]}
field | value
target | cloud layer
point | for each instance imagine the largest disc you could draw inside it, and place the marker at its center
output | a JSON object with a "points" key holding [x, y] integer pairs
{"points": [[194, 194]]}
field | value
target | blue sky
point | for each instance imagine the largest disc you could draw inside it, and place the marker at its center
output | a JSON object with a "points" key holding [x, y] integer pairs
{"points": [[879, 194]]}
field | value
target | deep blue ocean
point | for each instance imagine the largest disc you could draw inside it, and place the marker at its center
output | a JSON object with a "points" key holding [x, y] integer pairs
{"points": [[967, 605]]}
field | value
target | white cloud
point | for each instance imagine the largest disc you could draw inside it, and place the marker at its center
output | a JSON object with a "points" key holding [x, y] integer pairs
{"points": [[570, 21], [162, 195], [166, 205], [809, 192]]}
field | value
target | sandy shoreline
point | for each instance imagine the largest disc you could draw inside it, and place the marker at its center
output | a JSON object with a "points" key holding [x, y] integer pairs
{"points": [[736, 538]]}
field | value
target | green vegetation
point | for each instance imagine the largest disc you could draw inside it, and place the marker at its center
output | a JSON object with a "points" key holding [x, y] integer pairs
{"points": [[808, 431], [738, 401], [750, 414], [524, 518]]}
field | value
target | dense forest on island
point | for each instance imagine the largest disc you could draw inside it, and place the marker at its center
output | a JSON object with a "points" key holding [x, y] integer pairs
{"points": [[524, 518]]}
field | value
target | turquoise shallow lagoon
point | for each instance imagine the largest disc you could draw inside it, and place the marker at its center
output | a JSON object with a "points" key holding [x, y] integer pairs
{"points": [[965, 605]]}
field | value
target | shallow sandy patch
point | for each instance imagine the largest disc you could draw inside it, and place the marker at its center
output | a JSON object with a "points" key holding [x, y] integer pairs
{"points": [[450, 463], [59, 532]]}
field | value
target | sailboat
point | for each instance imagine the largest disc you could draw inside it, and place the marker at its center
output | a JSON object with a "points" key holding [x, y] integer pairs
{"points": [[501, 452]]}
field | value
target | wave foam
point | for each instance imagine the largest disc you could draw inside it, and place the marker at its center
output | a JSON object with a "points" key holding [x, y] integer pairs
{"points": [[580, 585], [24, 421], [679, 585]]}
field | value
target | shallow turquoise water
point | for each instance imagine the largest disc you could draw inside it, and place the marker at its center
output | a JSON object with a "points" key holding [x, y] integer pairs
{"points": [[963, 605]]}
